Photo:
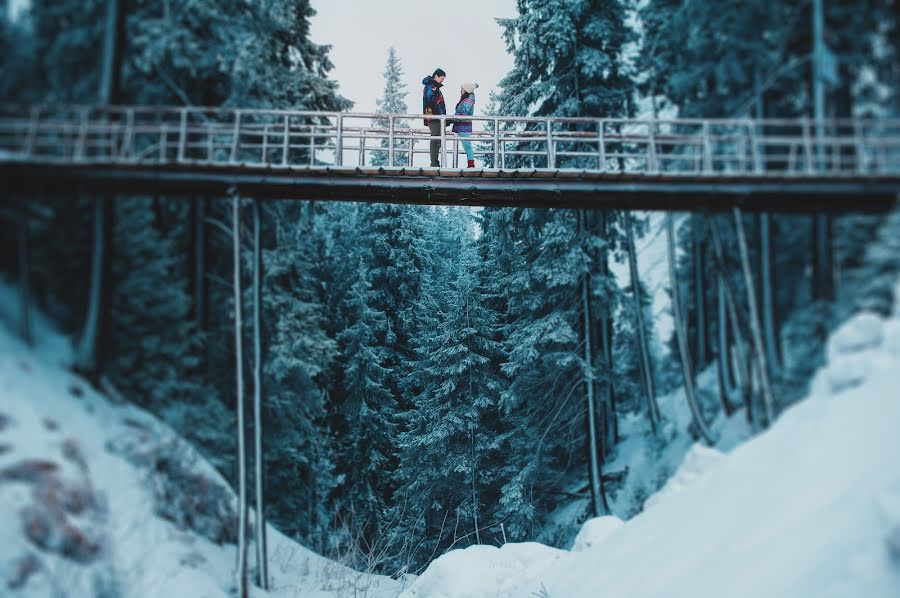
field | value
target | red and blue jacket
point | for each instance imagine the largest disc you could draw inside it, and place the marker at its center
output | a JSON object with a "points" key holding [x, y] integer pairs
{"points": [[432, 98]]}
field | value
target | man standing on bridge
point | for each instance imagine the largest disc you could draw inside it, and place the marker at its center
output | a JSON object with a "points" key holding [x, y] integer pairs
{"points": [[433, 103]]}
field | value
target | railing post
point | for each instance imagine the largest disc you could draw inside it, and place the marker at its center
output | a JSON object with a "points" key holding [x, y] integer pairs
{"points": [[807, 146], [285, 140], [31, 138], [651, 155], [443, 121], [78, 150], [455, 151], [128, 146], [707, 149], [182, 135], [362, 149], [390, 141], [265, 144], [210, 142], [339, 142], [601, 142], [236, 137], [551, 160], [858, 140], [754, 148], [163, 142], [312, 144], [496, 142]]}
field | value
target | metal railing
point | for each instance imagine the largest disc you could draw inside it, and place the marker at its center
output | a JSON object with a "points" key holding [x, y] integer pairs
{"points": [[232, 137]]}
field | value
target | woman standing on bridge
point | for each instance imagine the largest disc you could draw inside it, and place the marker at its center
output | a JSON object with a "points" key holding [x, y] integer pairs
{"points": [[463, 128]]}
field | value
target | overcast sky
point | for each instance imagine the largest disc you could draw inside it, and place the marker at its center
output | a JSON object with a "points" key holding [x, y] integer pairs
{"points": [[459, 36]]}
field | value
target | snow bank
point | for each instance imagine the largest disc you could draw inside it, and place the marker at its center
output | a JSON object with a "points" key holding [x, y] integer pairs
{"points": [[468, 572], [810, 508], [595, 531], [80, 488]]}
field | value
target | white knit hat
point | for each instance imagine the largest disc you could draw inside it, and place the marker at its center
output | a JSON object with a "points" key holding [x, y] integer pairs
{"points": [[469, 87]]}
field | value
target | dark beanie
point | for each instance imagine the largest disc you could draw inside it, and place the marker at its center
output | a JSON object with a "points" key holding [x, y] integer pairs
{"points": [[439, 73]]}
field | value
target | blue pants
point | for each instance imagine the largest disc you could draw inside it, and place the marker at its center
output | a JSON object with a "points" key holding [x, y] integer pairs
{"points": [[467, 146]]}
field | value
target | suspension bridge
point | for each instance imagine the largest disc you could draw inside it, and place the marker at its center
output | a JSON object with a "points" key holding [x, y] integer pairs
{"points": [[659, 164]]}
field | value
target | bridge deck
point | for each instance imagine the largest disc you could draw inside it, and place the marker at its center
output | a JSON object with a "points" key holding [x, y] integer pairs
{"points": [[772, 165]]}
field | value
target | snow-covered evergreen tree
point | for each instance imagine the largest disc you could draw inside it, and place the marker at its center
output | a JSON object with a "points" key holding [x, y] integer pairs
{"points": [[392, 101]]}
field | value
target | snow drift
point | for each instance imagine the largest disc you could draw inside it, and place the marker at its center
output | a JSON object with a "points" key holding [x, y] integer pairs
{"points": [[810, 508], [101, 499]]}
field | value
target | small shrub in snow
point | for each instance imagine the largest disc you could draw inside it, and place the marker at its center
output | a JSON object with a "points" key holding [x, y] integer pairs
{"points": [[28, 471], [188, 498], [46, 526], [862, 331], [893, 543], [21, 571], [5, 422]]}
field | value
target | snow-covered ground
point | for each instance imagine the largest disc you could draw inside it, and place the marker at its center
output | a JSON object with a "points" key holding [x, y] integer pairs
{"points": [[809, 508], [101, 499]]}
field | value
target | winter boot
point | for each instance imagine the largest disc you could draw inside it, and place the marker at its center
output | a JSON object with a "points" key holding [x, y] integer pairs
{"points": [[471, 163]]}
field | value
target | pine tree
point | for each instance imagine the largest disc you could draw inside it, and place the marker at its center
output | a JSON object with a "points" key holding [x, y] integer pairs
{"points": [[392, 101], [447, 446]]}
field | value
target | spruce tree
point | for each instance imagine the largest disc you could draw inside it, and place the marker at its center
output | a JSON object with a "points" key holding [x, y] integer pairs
{"points": [[392, 101]]}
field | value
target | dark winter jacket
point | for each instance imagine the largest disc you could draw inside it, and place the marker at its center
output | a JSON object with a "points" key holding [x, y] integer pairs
{"points": [[466, 107], [432, 98]]}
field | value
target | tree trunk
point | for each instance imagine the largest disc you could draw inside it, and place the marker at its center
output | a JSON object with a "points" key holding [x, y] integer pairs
{"points": [[26, 328], [474, 493], [610, 424], [699, 300], [593, 449], [742, 371], [87, 352], [755, 327], [241, 565], [198, 244], [770, 324], [723, 357], [262, 562], [643, 346], [681, 336]]}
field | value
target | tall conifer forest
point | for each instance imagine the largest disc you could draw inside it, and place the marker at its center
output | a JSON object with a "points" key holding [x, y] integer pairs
{"points": [[437, 377]]}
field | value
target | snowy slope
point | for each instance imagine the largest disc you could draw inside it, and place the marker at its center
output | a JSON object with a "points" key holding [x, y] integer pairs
{"points": [[810, 508], [99, 498]]}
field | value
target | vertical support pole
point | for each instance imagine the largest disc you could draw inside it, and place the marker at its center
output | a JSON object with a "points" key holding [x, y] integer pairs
{"points": [[412, 151], [265, 144], [235, 137], [391, 140], [496, 142], [601, 142], [285, 140], [362, 149], [754, 148], [312, 144], [86, 353], [551, 159], [339, 142], [443, 121], [651, 150], [262, 565], [25, 324], [31, 137], [860, 147], [182, 134], [163, 141], [455, 152], [78, 153], [128, 146], [210, 142], [707, 149], [807, 147], [241, 566]]}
